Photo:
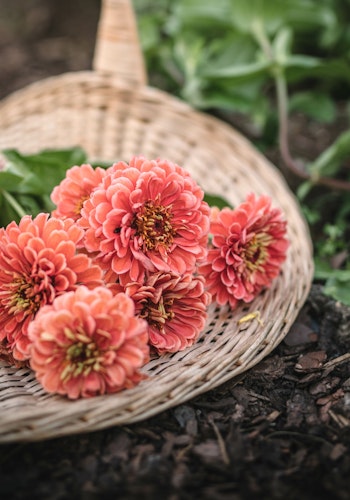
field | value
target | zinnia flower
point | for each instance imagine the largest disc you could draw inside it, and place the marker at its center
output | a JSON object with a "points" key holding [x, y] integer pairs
{"points": [[88, 342], [249, 245], [174, 306], [74, 189], [6, 354], [148, 215], [38, 261]]}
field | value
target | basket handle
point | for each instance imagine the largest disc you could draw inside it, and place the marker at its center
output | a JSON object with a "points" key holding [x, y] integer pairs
{"points": [[117, 50]]}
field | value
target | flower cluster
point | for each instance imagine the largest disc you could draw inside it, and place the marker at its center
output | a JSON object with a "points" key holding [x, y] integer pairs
{"points": [[124, 267]]}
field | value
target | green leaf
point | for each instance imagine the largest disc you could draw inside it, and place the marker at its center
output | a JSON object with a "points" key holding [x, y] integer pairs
{"points": [[227, 101], [247, 71], [312, 216], [233, 56], [27, 180], [30, 204], [199, 14], [306, 15], [15, 163], [316, 105], [336, 281], [70, 157], [282, 45], [43, 171], [339, 288], [149, 33], [101, 164], [7, 212], [272, 14], [328, 163], [59, 157], [268, 13], [304, 189], [302, 61], [326, 273], [9, 181], [326, 70], [323, 271], [214, 200]]}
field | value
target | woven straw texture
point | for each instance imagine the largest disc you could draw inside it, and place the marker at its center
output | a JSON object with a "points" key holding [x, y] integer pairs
{"points": [[113, 115]]}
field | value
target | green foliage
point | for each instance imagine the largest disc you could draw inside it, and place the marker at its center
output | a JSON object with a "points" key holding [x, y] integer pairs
{"points": [[328, 214], [329, 162], [214, 200], [260, 60], [27, 181], [222, 54], [317, 105]]}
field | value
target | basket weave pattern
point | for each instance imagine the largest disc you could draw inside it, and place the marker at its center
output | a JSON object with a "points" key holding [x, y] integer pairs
{"points": [[114, 115]]}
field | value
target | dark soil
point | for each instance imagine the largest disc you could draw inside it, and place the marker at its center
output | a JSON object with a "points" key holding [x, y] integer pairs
{"points": [[282, 430]]}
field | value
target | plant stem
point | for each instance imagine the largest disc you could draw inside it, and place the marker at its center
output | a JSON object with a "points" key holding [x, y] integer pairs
{"points": [[282, 109], [263, 41], [14, 204], [282, 105]]}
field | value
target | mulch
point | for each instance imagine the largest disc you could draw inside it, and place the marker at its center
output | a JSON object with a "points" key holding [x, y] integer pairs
{"points": [[281, 430]]}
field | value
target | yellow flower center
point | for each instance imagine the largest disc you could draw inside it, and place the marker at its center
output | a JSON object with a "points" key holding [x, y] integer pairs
{"points": [[256, 254], [22, 297], [80, 204], [158, 314], [153, 224], [82, 356]]}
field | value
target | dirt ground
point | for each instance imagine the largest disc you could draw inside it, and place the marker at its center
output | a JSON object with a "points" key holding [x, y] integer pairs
{"points": [[282, 430]]}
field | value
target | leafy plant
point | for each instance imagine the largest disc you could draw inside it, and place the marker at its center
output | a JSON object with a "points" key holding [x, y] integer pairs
{"points": [[254, 63], [27, 180]]}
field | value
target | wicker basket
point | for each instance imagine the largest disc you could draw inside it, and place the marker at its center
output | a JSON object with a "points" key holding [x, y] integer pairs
{"points": [[113, 115]]}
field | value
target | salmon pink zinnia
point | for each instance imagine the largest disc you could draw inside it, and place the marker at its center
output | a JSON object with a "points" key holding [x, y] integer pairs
{"points": [[74, 189], [88, 342], [38, 261], [249, 245], [174, 306], [146, 215]]}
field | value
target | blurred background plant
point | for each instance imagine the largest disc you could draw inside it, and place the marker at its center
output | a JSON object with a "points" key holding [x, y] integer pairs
{"points": [[254, 63]]}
